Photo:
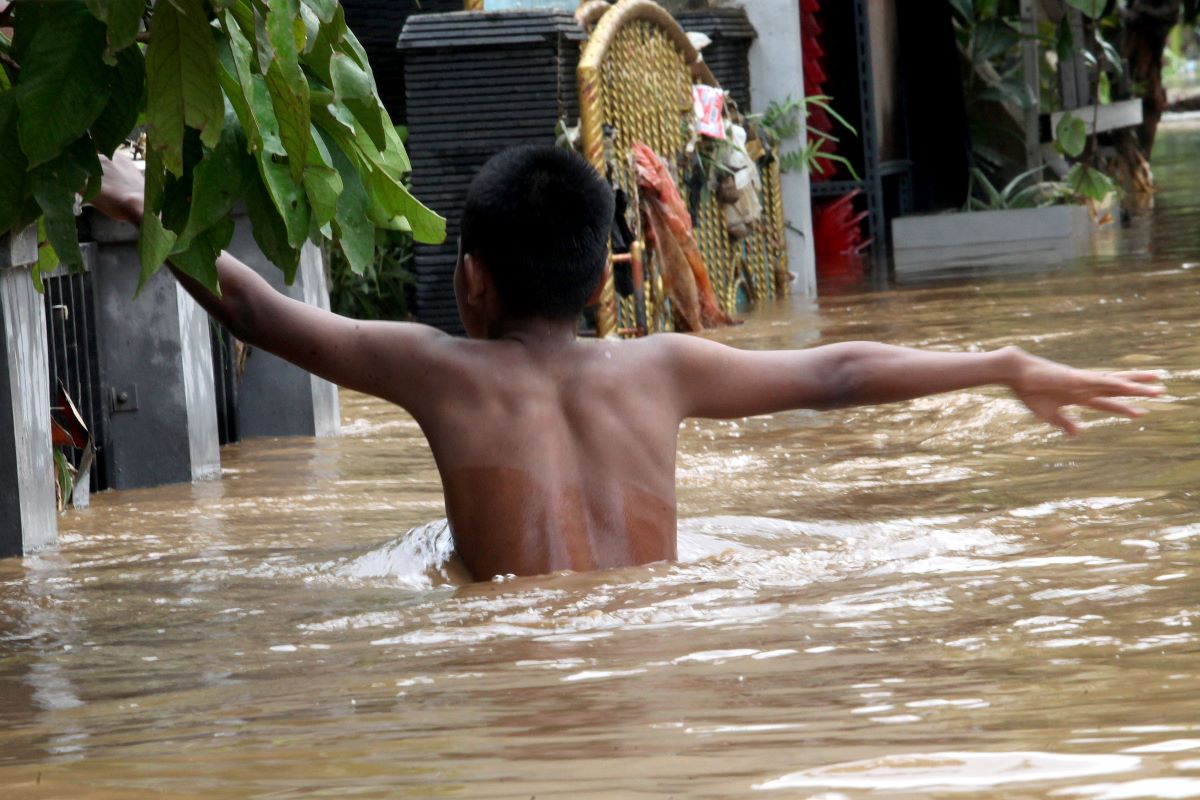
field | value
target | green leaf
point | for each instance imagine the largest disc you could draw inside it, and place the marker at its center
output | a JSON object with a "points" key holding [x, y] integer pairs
{"points": [[218, 182], [199, 260], [270, 230], [54, 185], [1111, 55], [350, 81], [121, 114], [288, 198], [155, 242], [354, 88], [154, 245], [322, 183], [349, 44], [393, 207], [123, 18], [13, 165], [1071, 135], [287, 85], [47, 259], [324, 9], [1090, 8], [355, 233], [994, 200], [290, 103], [993, 37], [64, 84], [1089, 182], [182, 84]]}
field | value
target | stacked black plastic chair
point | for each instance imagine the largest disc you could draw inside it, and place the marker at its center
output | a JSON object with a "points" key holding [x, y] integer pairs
{"points": [[377, 24], [729, 54], [476, 84]]}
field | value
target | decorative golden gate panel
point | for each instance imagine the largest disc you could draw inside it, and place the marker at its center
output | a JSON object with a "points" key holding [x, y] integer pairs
{"points": [[635, 79]]}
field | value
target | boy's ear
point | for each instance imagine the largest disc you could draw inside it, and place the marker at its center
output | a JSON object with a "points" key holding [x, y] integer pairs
{"points": [[478, 281]]}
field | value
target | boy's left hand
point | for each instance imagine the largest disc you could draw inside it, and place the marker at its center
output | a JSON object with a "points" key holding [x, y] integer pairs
{"points": [[1046, 388]]}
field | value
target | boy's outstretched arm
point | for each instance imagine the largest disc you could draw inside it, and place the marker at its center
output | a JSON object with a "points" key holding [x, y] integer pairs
{"points": [[387, 359], [712, 380]]}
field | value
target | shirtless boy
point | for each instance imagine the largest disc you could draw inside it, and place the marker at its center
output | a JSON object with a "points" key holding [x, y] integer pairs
{"points": [[557, 453]]}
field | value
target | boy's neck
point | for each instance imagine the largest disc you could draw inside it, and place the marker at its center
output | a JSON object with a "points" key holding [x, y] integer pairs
{"points": [[535, 332]]}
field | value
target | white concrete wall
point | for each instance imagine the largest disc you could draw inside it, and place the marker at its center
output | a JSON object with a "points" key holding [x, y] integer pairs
{"points": [[777, 73]]}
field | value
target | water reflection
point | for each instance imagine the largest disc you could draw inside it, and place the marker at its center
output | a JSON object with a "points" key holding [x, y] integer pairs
{"points": [[937, 597]]}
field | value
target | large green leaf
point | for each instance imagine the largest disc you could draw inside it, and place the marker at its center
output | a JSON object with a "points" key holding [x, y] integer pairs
{"points": [[289, 99], [12, 164], [155, 242], [324, 9], [395, 208], [183, 89], [287, 197], [247, 91], [218, 182], [122, 18], [64, 84], [128, 90], [322, 183], [154, 245], [54, 185], [199, 260], [354, 232], [354, 88], [269, 229], [287, 84]]}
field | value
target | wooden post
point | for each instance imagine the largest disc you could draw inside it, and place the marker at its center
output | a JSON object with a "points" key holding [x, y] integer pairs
{"points": [[27, 506], [1031, 66]]}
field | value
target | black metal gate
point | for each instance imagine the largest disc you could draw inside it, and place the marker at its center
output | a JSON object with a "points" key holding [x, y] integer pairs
{"points": [[225, 381], [71, 344]]}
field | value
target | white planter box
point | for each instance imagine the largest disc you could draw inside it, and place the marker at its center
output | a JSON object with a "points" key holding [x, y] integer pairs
{"points": [[979, 239]]}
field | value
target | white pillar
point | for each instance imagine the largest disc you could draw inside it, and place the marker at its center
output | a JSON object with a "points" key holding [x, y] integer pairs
{"points": [[776, 74], [27, 510]]}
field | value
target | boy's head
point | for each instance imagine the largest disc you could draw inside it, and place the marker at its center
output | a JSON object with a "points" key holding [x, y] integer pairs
{"points": [[537, 221]]}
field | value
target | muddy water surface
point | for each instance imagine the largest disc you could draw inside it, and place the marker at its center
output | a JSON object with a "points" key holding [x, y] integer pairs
{"points": [[917, 600]]}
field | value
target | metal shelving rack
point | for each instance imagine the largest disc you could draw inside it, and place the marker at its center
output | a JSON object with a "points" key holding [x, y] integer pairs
{"points": [[886, 186]]}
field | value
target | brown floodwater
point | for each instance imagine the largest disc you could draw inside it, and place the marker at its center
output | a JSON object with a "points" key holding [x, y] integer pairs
{"points": [[920, 600]]}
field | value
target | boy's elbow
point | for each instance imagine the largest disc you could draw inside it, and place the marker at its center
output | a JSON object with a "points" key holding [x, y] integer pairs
{"points": [[846, 374]]}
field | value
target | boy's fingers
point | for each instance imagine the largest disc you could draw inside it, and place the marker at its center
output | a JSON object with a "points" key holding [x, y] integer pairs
{"points": [[1133, 384], [1115, 407], [1063, 422]]}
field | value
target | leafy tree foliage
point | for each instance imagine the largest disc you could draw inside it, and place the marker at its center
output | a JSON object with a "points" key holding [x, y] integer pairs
{"points": [[272, 104]]}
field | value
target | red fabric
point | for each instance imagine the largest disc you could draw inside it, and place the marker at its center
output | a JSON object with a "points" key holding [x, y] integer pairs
{"points": [[668, 218]]}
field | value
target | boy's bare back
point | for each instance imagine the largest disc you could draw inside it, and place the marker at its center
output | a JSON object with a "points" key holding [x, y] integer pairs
{"points": [[557, 456]]}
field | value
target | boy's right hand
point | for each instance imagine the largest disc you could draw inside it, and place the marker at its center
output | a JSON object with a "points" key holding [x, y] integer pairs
{"points": [[122, 190]]}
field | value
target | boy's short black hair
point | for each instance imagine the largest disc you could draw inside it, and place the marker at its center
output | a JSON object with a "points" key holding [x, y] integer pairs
{"points": [[540, 217]]}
